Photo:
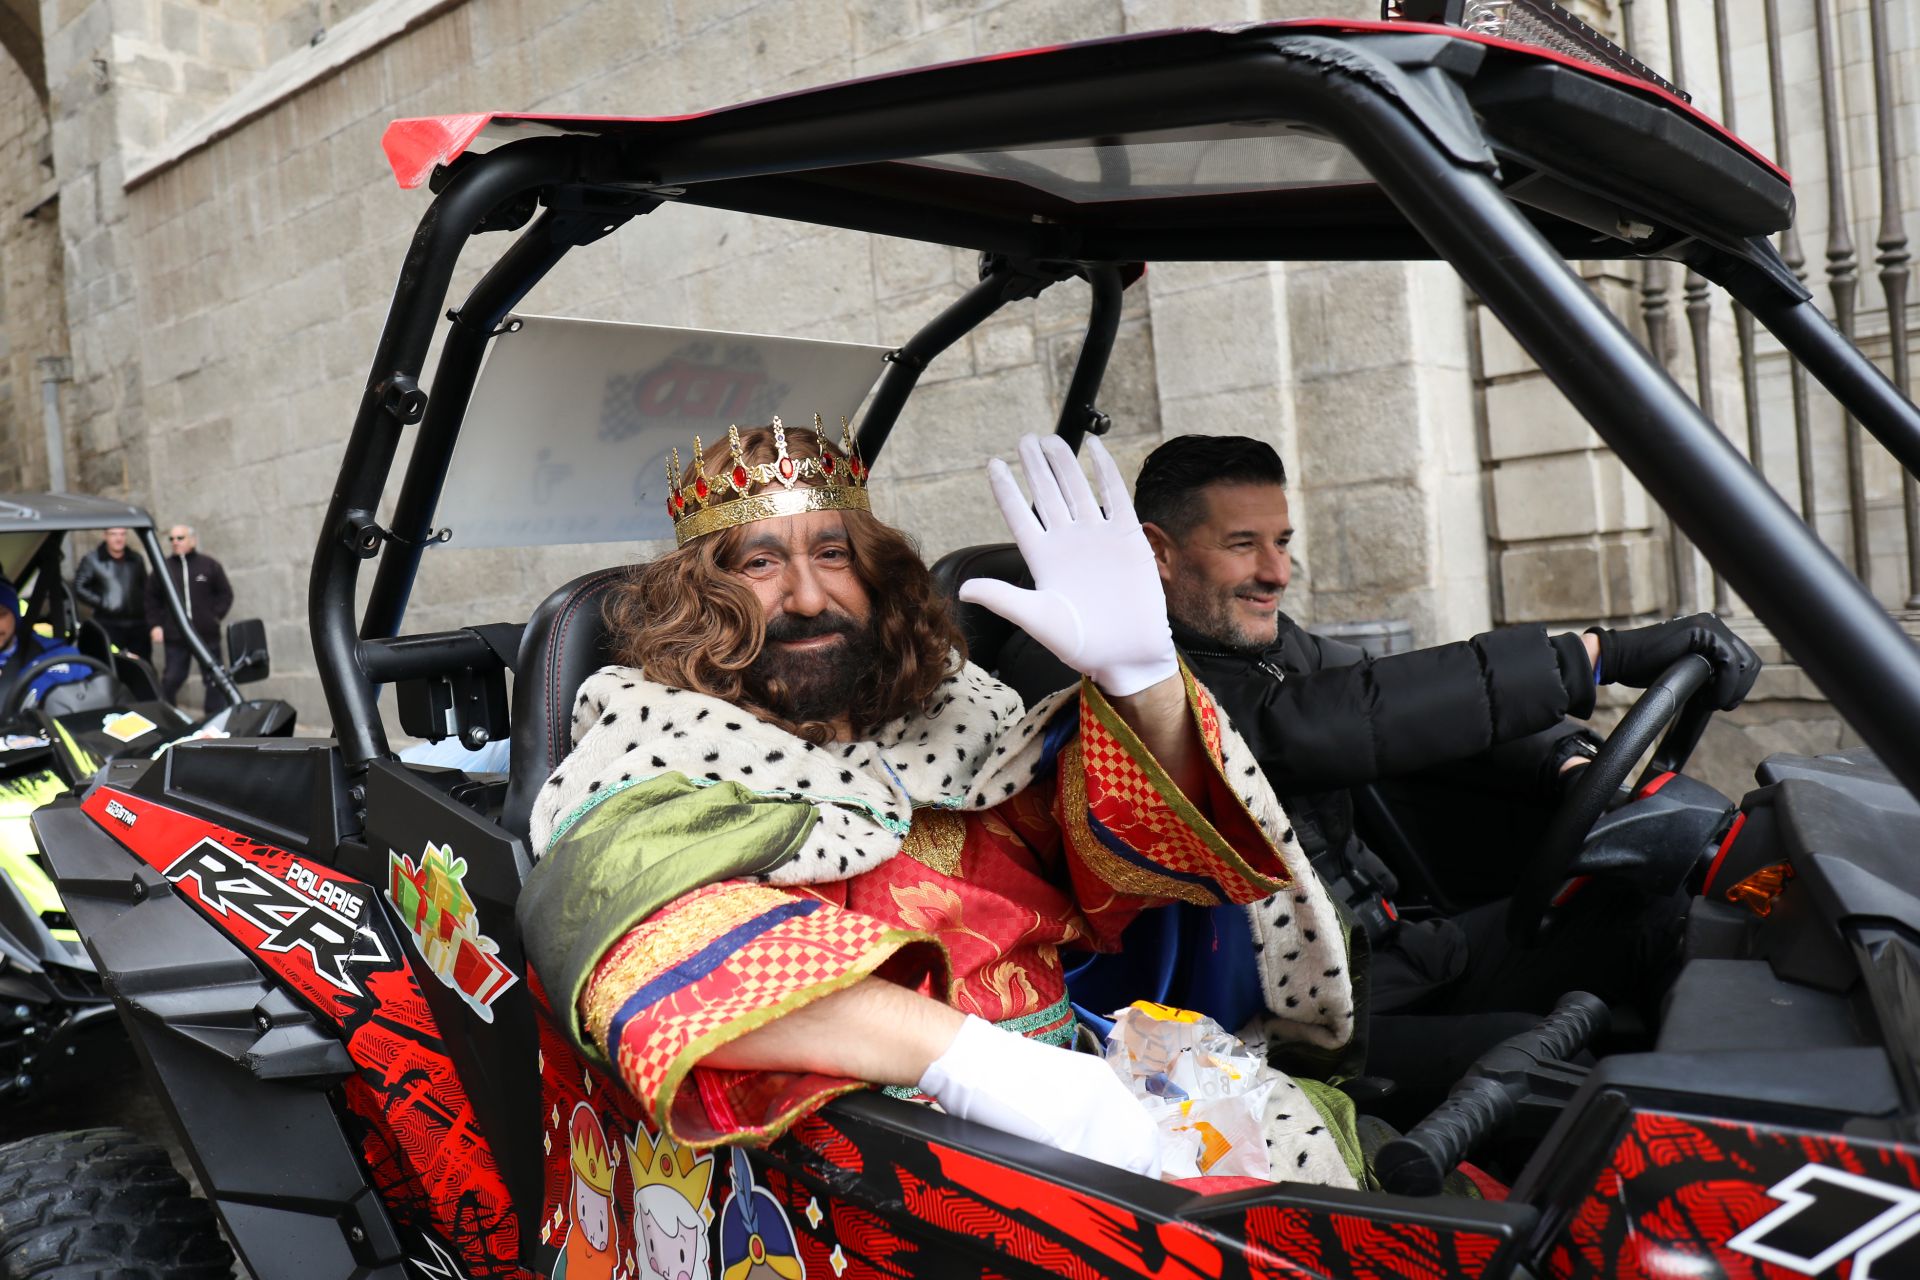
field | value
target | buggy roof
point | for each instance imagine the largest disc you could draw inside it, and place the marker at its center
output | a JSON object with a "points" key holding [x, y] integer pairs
{"points": [[1003, 153], [29, 521], [65, 512]]}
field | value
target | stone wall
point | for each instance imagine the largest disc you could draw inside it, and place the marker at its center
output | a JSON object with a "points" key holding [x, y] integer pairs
{"points": [[32, 304]]}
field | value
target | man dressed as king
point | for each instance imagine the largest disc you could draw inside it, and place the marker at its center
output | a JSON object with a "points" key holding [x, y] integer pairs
{"points": [[801, 846]]}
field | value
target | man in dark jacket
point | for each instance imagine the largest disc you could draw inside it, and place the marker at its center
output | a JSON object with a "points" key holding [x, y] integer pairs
{"points": [[112, 581], [1323, 719], [203, 587]]}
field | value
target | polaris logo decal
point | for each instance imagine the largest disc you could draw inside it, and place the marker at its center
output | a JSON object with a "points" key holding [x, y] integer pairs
{"points": [[120, 813], [1827, 1216], [227, 883]]}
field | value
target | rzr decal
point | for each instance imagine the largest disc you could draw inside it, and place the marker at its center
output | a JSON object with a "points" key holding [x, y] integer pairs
{"points": [[432, 899], [228, 884], [1826, 1215]]}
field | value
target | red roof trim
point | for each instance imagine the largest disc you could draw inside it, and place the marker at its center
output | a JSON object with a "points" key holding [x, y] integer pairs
{"points": [[414, 146]]}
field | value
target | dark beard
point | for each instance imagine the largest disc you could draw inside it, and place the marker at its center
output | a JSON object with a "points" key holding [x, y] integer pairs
{"points": [[1209, 615], [818, 684]]}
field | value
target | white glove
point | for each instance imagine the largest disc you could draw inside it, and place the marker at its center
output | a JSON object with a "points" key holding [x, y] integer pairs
{"points": [[1096, 603], [1070, 1101]]}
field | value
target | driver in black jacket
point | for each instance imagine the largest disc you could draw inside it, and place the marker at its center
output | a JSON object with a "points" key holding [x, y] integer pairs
{"points": [[1323, 718]]}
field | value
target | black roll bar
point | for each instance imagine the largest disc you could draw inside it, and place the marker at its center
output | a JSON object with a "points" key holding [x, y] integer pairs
{"points": [[1077, 412], [1767, 288], [537, 251], [1853, 650], [393, 399], [210, 666], [1002, 280]]}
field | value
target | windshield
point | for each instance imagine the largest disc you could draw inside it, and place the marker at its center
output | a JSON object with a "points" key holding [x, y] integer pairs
{"points": [[573, 422], [1226, 160]]}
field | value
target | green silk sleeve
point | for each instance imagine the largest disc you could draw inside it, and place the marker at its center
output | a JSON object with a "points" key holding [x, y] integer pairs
{"points": [[631, 854]]}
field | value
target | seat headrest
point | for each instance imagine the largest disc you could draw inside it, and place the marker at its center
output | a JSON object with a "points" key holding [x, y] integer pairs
{"points": [[564, 642], [993, 643], [985, 630]]}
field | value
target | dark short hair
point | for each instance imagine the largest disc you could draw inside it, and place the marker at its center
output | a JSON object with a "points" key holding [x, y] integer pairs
{"points": [[1167, 492]]}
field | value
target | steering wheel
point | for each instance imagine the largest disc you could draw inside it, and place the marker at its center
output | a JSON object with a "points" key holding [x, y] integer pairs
{"points": [[1530, 911], [16, 697]]}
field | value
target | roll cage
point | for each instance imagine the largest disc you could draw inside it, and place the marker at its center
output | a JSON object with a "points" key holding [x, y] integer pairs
{"points": [[1500, 158]]}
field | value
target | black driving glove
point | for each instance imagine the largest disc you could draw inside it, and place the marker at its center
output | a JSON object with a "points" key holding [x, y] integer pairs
{"points": [[1638, 655]]}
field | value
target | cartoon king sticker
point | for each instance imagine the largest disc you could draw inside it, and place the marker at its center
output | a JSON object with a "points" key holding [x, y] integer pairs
{"points": [[592, 1245], [670, 1213], [756, 1240]]}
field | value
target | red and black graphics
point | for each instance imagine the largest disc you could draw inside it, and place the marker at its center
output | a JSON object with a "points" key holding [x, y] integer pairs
{"points": [[846, 1195], [311, 927], [812, 1206], [1683, 1196], [1287, 1242], [326, 936]]}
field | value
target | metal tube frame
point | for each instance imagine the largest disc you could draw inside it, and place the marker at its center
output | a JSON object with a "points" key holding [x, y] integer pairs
{"points": [[1420, 147], [392, 400], [1763, 283], [474, 326], [1002, 280], [1077, 412]]}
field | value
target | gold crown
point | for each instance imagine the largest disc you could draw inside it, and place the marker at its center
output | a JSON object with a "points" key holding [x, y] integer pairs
{"points": [[668, 1165], [702, 505], [591, 1159]]}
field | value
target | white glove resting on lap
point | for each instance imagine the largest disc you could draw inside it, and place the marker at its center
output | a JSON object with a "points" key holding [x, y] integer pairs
{"points": [[1070, 1101], [1096, 601]]}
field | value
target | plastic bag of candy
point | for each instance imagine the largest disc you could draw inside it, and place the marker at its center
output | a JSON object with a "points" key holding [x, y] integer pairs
{"points": [[1206, 1089]]}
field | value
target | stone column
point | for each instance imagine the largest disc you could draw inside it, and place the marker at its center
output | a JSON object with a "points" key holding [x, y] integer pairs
{"points": [[123, 76], [1575, 533], [1389, 469], [104, 399]]}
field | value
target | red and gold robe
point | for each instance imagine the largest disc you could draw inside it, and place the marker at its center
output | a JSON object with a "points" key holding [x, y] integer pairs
{"points": [[974, 911]]}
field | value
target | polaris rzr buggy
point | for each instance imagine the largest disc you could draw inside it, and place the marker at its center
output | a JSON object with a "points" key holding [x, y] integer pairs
{"points": [[314, 948], [51, 1004]]}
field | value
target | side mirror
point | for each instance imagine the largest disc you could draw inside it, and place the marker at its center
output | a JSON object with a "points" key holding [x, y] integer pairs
{"points": [[247, 651]]}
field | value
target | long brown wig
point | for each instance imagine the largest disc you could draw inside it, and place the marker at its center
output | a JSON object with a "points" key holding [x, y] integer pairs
{"points": [[687, 619]]}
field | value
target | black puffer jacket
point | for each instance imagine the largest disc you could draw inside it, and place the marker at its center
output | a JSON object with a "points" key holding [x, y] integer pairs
{"points": [[1321, 716]]}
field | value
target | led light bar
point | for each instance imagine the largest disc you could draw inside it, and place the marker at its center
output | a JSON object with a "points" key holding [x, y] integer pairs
{"points": [[1541, 23]]}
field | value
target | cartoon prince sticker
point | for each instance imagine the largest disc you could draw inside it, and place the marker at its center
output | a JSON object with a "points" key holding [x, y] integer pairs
{"points": [[670, 1212], [756, 1240], [592, 1246]]}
